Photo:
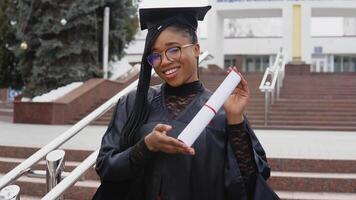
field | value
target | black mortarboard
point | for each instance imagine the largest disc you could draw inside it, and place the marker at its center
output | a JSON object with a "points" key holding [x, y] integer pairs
{"points": [[156, 15], [168, 11]]}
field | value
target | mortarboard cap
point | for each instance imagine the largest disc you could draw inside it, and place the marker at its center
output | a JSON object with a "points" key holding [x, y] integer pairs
{"points": [[157, 12]]}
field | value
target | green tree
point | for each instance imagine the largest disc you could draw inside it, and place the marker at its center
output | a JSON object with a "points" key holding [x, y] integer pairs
{"points": [[9, 75], [60, 41]]}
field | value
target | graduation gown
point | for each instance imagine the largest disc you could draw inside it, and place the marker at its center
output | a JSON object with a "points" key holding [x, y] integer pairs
{"points": [[212, 173]]}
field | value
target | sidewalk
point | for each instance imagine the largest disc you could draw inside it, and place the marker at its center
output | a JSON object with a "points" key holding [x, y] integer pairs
{"points": [[337, 145], [33, 135]]}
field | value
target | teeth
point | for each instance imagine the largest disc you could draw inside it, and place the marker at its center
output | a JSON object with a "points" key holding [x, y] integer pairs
{"points": [[170, 71]]}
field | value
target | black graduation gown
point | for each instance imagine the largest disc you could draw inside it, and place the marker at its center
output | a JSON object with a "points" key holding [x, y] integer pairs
{"points": [[212, 173]]}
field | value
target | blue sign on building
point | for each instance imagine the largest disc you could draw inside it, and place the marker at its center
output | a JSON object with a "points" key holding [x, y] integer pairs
{"points": [[11, 94], [318, 50]]}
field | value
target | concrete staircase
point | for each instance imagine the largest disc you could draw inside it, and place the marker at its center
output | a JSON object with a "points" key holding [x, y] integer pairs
{"points": [[316, 101], [313, 179], [292, 179], [6, 111]]}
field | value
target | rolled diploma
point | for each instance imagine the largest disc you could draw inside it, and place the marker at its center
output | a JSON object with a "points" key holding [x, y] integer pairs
{"points": [[192, 131]]}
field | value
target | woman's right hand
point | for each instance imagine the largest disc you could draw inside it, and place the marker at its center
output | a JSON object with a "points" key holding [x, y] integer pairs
{"points": [[158, 140]]}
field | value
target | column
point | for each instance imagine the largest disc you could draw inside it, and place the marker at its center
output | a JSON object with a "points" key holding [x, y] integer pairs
{"points": [[297, 34], [287, 30], [215, 40], [306, 45]]}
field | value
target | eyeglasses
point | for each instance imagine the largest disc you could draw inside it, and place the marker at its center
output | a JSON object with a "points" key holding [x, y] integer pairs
{"points": [[172, 54]]}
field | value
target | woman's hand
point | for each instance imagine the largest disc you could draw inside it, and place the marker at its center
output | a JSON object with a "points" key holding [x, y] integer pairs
{"points": [[158, 140], [235, 105]]}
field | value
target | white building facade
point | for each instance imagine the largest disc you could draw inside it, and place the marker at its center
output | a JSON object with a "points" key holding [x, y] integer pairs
{"points": [[250, 33]]}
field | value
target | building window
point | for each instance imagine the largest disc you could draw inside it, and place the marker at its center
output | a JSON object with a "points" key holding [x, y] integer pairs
{"points": [[337, 63], [353, 64], [313, 67], [265, 63], [258, 64], [253, 27], [346, 63], [229, 62], [250, 65]]}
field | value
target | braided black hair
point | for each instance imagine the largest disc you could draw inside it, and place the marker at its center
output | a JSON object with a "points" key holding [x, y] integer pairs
{"points": [[140, 112]]}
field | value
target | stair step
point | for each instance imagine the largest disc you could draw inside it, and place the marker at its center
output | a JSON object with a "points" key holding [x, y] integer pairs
{"points": [[313, 182], [26, 197], [6, 105], [312, 165], [6, 112], [37, 187], [25, 152], [341, 101], [7, 164], [316, 96], [258, 114], [288, 195], [311, 103], [327, 118], [306, 123], [260, 125]]}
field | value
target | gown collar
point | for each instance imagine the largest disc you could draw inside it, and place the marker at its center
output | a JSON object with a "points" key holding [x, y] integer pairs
{"points": [[185, 89]]}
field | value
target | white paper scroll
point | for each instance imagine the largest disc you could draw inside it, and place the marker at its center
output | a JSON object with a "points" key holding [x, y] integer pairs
{"points": [[207, 112]]}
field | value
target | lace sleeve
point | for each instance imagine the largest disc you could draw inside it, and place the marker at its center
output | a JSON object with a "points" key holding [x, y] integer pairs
{"points": [[139, 155], [241, 145]]}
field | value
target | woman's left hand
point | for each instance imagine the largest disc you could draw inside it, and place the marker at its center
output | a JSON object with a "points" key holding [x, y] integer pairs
{"points": [[235, 105]]}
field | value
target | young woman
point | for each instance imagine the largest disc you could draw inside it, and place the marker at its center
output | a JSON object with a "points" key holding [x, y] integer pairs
{"points": [[140, 157]]}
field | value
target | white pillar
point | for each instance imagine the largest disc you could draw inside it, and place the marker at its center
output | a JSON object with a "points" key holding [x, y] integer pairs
{"points": [[287, 30], [307, 47], [215, 41]]}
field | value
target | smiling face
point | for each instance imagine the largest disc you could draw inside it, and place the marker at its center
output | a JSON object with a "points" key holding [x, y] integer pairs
{"points": [[184, 70]]}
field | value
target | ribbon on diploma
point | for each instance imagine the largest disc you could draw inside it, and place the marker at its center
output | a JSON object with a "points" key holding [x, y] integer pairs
{"points": [[192, 131]]}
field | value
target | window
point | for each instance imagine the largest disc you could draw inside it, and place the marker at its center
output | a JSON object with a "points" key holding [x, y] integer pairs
{"points": [[353, 64], [258, 64], [229, 61], [346, 63], [265, 63], [313, 69], [337, 63], [250, 65]]}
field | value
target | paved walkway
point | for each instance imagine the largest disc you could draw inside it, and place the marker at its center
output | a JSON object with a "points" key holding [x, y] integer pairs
{"points": [[277, 143]]}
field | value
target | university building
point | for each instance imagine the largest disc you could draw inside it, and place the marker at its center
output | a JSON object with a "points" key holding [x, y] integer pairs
{"points": [[321, 33]]}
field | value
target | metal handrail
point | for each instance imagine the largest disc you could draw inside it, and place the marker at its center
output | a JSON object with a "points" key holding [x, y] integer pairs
{"points": [[26, 165], [272, 81], [64, 137]]}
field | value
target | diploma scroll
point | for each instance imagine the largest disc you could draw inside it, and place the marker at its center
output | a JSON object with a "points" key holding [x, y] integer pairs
{"points": [[208, 111]]}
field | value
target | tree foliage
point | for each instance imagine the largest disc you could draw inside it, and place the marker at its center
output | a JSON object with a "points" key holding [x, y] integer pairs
{"points": [[59, 42], [9, 75]]}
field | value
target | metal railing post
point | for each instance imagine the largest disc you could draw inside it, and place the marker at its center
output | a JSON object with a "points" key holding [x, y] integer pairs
{"points": [[266, 107], [55, 167], [11, 192], [278, 86], [106, 31]]}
